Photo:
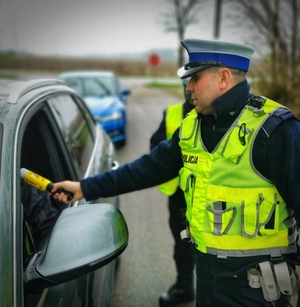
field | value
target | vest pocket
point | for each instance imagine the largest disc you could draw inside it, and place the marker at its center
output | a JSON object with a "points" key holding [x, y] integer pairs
{"points": [[260, 218], [220, 218], [236, 143], [187, 185], [188, 132], [250, 219], [269, 217]]}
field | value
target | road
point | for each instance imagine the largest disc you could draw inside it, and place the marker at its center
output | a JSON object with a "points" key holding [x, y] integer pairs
{"points": [[146, 268]]}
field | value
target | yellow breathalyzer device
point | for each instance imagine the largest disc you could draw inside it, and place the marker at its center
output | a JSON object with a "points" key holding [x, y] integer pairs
{"points": [[41, 183]]}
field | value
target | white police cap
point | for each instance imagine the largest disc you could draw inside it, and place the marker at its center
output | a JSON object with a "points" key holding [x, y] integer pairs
{"points": [[205, 53]]}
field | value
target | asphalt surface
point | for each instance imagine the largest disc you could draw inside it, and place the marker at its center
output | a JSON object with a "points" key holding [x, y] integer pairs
{"points": [[146, 268]]}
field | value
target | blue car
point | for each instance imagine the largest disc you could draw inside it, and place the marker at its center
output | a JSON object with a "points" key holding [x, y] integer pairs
{"points": [[105, 98]]}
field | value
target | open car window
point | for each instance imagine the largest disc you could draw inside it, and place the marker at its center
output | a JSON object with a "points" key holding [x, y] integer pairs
{"points": [[42, 152]]}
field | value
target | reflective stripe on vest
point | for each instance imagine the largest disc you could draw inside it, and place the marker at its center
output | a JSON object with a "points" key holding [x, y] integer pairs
{"points": [[174, 116], [232, 209]]}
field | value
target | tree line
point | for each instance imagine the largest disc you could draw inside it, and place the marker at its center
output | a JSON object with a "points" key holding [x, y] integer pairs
{"points": [[270, 26]]}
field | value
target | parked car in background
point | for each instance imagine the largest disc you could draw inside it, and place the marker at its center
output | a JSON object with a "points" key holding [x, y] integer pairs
{"points": [[45, 127], [106, 99]]}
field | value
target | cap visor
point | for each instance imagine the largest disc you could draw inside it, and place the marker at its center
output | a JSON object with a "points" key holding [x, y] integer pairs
{"points": [[182, 73]]}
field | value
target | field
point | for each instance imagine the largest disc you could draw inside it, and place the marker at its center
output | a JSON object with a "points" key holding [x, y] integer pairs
{"points": [[123, 67], [11, 63]]}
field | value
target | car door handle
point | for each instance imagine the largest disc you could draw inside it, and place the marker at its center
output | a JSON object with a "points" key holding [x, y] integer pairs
{"points": [[115, 165]]}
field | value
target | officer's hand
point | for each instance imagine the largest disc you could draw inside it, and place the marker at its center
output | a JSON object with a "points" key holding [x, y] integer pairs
{"points": [[69, 186]]}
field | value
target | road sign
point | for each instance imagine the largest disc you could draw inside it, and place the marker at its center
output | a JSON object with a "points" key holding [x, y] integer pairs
{"points": [[154, 59]]}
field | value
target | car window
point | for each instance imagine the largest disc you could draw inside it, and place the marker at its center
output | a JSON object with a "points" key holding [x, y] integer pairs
{"points": [[75, 84], [75, 128], [1, 135], [96, 87], [43, 152], [100, 85]]}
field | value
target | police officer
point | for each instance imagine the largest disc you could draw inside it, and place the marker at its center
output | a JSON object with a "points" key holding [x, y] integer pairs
{"points": [[183, 253], [237, 156]]}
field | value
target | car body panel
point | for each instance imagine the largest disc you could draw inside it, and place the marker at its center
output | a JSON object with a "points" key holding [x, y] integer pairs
{"points": [[32, 108], [106, 99]]}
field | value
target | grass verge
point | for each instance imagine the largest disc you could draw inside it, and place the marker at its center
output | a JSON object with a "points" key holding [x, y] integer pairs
{"points": [[174, 88]]}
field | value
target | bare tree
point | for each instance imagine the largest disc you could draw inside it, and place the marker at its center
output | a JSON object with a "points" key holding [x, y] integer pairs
{"points": [[275, 29], [179, 15]]}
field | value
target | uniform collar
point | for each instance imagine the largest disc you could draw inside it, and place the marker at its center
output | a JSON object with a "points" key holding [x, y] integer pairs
{"points": [[230, 103]]}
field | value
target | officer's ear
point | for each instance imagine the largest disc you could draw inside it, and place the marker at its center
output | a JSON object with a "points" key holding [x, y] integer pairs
{"points": [[225, 77]]}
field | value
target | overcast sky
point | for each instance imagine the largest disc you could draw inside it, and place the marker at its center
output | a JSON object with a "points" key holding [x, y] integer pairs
{"points": [[95, 27]]}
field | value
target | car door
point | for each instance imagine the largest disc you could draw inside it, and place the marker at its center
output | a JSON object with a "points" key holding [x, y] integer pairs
{"points": [[62, 142]]}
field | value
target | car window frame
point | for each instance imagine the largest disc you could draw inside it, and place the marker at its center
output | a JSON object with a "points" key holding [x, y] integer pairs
{"points": [[40, 107], [88, 119]]}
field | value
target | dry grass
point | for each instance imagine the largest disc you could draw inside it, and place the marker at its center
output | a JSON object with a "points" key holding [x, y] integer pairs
{"points": [[122, 67]]}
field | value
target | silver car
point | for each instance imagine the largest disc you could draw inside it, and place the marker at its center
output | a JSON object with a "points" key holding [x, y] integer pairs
{"points": [[45, 127]]}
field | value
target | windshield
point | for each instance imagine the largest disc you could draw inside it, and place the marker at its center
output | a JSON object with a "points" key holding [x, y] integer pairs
{"points": [[99, 86]]}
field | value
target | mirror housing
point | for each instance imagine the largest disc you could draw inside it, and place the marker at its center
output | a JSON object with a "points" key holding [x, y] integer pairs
{"points": [[125, 91], [83, 239]]}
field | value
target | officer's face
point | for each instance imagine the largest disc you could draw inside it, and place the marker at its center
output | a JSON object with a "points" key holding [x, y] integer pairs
{"points": [[204, 88]]}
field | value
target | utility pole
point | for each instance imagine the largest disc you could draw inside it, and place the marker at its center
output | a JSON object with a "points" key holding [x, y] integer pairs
{"points": [[217, 18], [14, 28]]}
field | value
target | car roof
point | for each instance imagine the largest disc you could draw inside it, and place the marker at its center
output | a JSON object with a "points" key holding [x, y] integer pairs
{"points": [[12, 90], [82, 73]]}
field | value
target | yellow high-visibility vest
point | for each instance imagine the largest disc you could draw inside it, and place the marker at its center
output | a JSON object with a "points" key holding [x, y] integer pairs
{"points": [[173, 119], [232, 209]]}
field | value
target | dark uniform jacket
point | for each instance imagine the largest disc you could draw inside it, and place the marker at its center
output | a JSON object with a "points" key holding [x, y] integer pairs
{"points": [[276, 156]]}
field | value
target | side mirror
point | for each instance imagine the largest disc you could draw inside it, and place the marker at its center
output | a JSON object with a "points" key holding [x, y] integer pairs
{"points": [[125, 92], [83, 239]]}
